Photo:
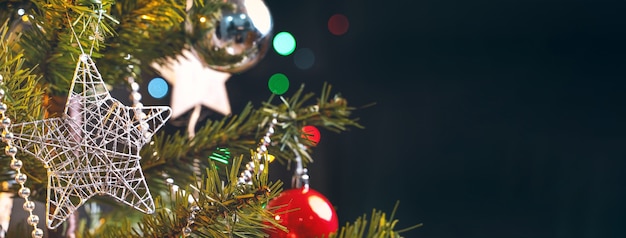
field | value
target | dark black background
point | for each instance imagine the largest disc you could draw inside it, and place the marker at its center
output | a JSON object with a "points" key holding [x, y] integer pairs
{"points": [[492, 118]]}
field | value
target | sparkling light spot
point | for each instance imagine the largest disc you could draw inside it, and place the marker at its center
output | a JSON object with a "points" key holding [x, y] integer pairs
{"points": [[278, 83], [284, 43], [321, 208], [304, 58], [338, 24], [157, 87], [258, 11]]}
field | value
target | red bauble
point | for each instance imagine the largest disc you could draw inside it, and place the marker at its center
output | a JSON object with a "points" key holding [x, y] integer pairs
{"points": [[305, 212]]}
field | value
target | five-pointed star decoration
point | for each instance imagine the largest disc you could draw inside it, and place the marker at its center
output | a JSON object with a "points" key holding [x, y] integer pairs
{"points": [[93, 149], [194, 85]]}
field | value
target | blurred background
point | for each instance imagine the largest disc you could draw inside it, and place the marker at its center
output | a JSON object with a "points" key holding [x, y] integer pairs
{"points": [[491, 118]]}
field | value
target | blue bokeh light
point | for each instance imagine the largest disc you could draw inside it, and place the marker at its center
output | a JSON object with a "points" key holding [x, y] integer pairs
{"points": [[157, 87]]}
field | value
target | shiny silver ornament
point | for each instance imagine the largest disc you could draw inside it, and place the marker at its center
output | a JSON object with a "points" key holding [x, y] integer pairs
{"points": [[235, 38]]}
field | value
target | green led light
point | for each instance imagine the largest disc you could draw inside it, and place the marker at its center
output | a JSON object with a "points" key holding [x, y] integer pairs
{"points": [[284, 43], [221, 155], [278, 83]]}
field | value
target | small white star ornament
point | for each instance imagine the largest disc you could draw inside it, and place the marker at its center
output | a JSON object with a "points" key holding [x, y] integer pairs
{"points": [[94, 149], [193, 84]]}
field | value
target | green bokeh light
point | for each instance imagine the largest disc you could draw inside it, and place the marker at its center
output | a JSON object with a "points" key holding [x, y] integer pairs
{"points": [[284, 43], [278, 83]]}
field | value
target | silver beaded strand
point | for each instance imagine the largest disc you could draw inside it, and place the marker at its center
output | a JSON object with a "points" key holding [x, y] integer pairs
{"points": [[246, 175], [194, 209], [17, 164], [135, 97]]}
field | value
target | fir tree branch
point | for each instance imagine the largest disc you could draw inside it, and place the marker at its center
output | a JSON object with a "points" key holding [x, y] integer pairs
{"points": [[69, 28], [23, 98], [174, 154], [226, 208], [239, 133], [148, 31], [379, 226]]}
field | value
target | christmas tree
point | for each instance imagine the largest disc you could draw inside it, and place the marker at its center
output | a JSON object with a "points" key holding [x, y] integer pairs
{"points": [[75, 150]]}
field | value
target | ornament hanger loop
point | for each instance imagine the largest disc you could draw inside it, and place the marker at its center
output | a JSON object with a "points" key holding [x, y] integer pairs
{"points": [[97, 27], [83, 57], [300, 177], [96, 31]]}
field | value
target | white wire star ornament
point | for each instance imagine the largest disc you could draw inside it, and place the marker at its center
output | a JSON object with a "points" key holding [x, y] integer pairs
{"points": [[94, 149]]}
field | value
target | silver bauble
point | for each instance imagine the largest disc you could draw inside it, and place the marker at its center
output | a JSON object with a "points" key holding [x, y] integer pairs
{"points": [[235, 38]]}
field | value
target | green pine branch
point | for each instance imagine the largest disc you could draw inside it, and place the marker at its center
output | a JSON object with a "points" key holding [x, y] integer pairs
{"points": [[177, 155], [223, 208], [148, 31], [378, 226], [133, 32], [228, 209], [69, 29], [23, 99]]}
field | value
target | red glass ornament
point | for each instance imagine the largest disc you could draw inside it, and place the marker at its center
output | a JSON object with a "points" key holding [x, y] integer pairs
{"points": [[305, 212], [311, 133]]}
